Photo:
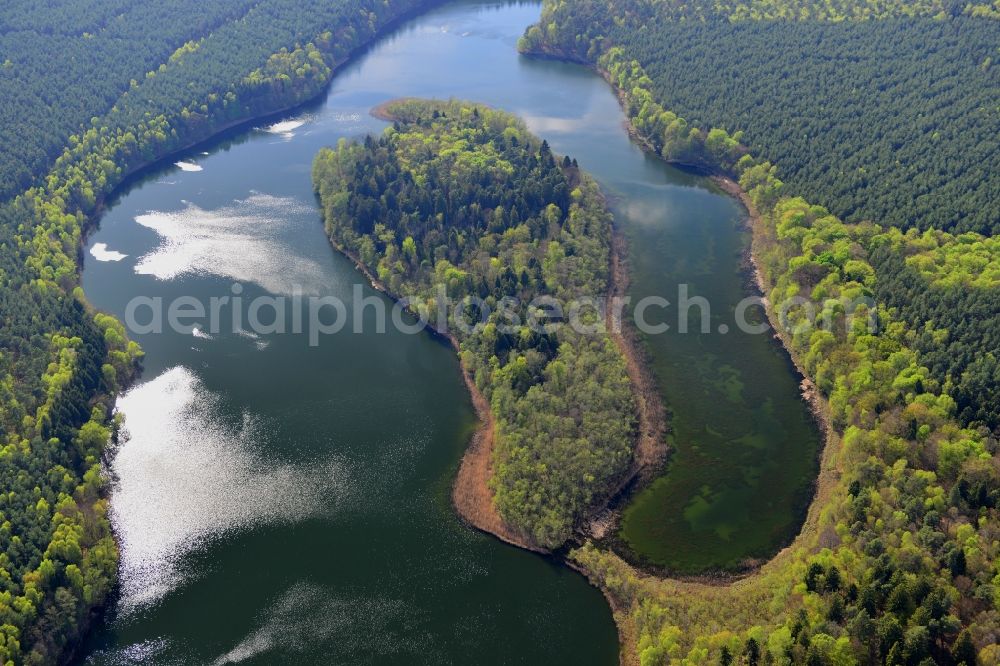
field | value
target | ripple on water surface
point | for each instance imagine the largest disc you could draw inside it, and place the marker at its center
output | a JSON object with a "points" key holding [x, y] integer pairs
{"points": [[239, 241], [183, 477], [307, 614]]}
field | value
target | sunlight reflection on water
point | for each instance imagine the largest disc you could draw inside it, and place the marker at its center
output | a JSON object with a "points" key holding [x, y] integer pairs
{"points": [[237, 242], [182, 477], [308, 614]]}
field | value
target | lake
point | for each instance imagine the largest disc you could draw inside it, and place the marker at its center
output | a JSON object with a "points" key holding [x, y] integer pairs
{"points": [[279, 502]]}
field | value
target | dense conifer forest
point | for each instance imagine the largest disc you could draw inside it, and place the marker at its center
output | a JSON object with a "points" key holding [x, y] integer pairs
{"points": [[865, 134], [64, 65], [891, 120], [132, 82], [465, 198], [897, 562]]}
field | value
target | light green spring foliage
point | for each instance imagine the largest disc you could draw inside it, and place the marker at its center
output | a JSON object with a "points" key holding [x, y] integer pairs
{"points": [[60, 363], [817, 10], [463, 197], [945, 260], [899, 560]]}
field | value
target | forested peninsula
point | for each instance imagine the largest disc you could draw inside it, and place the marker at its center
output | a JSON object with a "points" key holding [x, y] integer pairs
{"points": [[142, 80], [898, 561], [860, 135], [458, 201]]}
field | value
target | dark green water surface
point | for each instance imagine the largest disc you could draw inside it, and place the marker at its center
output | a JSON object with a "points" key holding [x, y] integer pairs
{"points": [[744, 445], [279, 503]]}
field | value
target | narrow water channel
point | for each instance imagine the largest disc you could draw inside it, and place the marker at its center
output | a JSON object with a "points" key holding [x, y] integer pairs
{"points": [[743, 443], [283, 503]]}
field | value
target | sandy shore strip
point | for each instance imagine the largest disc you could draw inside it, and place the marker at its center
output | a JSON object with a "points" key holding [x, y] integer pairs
{"points": [[471, 494]]}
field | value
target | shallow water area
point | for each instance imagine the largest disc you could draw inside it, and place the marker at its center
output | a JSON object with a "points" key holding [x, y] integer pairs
{"points": [[283, 502]]}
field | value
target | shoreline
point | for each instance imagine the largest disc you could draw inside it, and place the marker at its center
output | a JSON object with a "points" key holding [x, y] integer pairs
{"points": [[755, 224], [215, 133], [651, 448], [471, 495], [828, 473], [628, 653], [91, 223]]}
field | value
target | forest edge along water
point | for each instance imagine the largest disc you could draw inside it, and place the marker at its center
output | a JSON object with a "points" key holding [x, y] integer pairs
{"points": [[470, 494], [636, 544], [579, 147], [534, 590]]}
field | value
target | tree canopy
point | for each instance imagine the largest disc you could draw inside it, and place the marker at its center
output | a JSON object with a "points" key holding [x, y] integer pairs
{"points": [[898, 561], [137, 81], [892, 121], [464, 197]]}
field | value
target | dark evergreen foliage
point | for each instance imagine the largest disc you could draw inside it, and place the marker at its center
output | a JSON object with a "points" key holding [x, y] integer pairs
{"points": [[893, 121], [62, 64], [89, 92], [967, 355], [466, 199]]}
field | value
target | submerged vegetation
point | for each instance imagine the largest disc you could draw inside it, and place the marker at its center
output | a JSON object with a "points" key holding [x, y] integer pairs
{"points": [[146, 96], [891, 124], [899, 560], [461, 201]]}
